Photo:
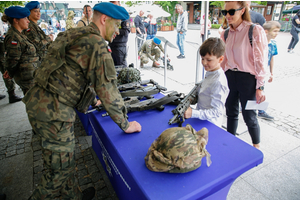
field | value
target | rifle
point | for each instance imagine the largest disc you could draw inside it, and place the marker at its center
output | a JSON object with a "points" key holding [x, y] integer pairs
{"points": [[190, 99]]}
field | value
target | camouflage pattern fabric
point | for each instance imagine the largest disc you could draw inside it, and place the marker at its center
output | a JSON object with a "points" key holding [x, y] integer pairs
{"points": [[21, 59], [129, 75], [148, 50], [9, 83], [38, 37], [81, 24], [69, 21], [178, 150]]}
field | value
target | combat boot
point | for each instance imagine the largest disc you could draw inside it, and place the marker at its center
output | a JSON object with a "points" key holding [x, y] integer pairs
{"points": [[13, 97], [2, 96], [154, 65], [141, 65], [88, 194]]}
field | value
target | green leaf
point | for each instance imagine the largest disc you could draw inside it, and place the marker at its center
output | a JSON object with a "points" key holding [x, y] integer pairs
{"points": [[6, 4]]}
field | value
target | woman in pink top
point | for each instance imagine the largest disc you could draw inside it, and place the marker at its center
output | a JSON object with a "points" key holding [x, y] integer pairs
{"points": [[244, 65]]}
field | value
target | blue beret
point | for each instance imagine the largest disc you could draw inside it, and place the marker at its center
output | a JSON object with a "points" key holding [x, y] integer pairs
{"points": [[17, 12], [32, 5], [156, 40], [112, 10]]}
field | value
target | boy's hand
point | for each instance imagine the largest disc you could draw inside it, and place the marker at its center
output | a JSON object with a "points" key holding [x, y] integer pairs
{"points": [[188, 113], [270, 79]]}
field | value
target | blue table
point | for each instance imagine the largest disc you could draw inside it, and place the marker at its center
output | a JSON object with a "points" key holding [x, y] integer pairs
{"points": [[122, 155]]}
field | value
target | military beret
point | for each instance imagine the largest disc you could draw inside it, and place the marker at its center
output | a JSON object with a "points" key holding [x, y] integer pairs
{"points": [[17, 12], [156, 40], [112, 10], [32, 5]]}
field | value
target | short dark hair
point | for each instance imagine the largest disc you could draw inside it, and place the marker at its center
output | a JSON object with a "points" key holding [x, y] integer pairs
{"points": [[85, 6], [213, 46]]}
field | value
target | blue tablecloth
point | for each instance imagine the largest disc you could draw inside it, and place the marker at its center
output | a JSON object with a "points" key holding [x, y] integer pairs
{"points": [[122, 155]]}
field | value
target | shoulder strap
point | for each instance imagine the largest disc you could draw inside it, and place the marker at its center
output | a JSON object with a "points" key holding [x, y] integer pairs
{"points": [[226, 33], [83, 22], [250, 33]]}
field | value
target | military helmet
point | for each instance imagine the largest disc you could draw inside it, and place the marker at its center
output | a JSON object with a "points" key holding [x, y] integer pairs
{"points": [[129, 75], [71, 13], [178, 150]]}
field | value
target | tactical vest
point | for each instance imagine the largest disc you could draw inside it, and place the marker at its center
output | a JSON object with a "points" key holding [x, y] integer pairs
{"points": [[65, 79]]}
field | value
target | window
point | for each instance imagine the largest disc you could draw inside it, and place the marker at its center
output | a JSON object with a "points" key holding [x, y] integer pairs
{"points": [[269, 10]]}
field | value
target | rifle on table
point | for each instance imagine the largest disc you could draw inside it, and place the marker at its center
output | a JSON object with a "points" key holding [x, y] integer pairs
{"points": [[190, 99], [139, 88]]}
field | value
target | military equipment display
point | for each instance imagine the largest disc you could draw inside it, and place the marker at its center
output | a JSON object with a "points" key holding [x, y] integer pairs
{"points": [[178, 150], [128, 75], [169, 66], [190, 99]]}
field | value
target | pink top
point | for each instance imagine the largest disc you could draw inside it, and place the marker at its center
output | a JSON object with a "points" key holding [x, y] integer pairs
{"points": [[239, 53]]}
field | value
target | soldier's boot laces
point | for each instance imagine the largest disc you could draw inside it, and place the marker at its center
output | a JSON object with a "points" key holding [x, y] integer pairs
{"points": [[13, 97], [2, 96], [89, 193]]}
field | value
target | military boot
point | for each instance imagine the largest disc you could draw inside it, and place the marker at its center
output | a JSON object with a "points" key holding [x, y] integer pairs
{"points": [[88, 194], [2, 96], [13, 97], [154, 65], [142, 64]]}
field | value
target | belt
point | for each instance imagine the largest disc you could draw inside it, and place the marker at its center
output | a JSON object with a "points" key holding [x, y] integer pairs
{"points": [[235, 69]]}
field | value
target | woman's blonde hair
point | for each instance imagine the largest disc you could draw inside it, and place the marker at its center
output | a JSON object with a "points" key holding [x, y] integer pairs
{"points": [[246, 15]]}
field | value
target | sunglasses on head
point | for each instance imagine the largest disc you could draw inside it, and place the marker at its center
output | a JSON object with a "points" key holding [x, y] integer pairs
{"points": [[231, 11]]}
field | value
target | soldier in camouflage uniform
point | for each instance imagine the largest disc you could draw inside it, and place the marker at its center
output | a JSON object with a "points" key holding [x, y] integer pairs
{"points": [[178, 150], [77, 59], [9, 83], [69, 21], [148, 50], [21, 58], [34, 33]]}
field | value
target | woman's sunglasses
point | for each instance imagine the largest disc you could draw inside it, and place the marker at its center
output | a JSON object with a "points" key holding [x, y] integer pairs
{"points": [[231, 11]]}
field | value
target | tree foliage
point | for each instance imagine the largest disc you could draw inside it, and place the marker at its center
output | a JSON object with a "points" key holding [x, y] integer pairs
{"points": [[6, 4]]}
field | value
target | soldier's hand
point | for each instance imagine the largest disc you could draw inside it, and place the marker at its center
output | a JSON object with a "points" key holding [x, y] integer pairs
{"points": [[51, 37], [188, 113], [134, 126], [6, 75], [97, 104], [156, 63]]}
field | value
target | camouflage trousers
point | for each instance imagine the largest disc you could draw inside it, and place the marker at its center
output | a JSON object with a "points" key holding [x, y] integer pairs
{"points": [[9, 83], [145, 58], [59, 160]]}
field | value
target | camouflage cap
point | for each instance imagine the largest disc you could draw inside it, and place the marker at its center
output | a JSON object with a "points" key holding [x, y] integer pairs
{"points": [[178, 150], [129, 75], [71, 13]]}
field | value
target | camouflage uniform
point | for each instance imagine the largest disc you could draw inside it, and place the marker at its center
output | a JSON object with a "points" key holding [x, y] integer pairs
{"points": [[78, 57], [178, 150], [38, 37], [21, 58], [69, 21], [9, 83], [148, 50]]}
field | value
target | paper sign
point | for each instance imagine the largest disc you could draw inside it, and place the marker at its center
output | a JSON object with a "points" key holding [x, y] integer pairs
{"points": [[252, 105]]}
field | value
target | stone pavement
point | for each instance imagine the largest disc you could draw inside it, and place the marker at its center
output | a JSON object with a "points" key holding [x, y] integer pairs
{"points": [[277, 178]]}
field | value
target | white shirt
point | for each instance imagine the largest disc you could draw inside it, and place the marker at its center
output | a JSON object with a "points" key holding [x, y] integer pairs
{"points": [[212, 95]]}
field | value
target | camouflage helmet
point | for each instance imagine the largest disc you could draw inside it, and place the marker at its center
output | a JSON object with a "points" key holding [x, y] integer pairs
{"points": [[129, 75], [71, 13], [178, 150]]}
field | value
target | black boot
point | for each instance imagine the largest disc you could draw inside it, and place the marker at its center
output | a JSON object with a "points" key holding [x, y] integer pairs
{"points": [[89, 193], [2, 196], [13, 97], [2, 96]]}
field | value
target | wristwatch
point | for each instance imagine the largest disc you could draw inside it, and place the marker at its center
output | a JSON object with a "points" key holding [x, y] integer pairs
{"points": [[261, 88]]}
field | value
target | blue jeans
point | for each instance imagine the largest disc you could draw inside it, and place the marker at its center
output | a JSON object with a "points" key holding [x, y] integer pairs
{"points": [[295, 38], [180, 42], [149, 37]]}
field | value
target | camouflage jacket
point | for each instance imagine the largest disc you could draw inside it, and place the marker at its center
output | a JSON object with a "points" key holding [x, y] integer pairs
{"points": [[38, 37], [148, 47], [70, 24], [21, 53], [86, 55]]}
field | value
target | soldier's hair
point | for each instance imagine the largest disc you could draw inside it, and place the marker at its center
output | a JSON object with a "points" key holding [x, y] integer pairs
{"points": [[6, 18], [213, 46], [270, 25], [96, 15], [85, 6]]}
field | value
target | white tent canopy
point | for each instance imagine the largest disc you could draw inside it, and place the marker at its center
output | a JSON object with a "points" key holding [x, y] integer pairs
{"points": [[155, 10]]}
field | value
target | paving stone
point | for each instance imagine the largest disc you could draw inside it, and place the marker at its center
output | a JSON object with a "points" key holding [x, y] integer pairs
{"points": [[2, 156], [35, 158], [38, 163], [84, 146], [28, 144], [36, 148], [87, 152], [102, 194], [9, 144], [3, 146], [79, 161], [100, 184], [82, 173], [27, 149], [83, 187], [3, 152], [28, 140], [37, 153], [92, 169], [38, 168], [84, 181], [80, 166], [20, 151], [22, 141], [11, 153], [37, 178], [20, 146], [96, 177], [90, 162], [78, 156], [88, 157]]}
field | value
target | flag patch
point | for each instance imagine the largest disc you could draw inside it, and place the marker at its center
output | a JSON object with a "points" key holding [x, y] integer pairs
{"points": [[28, 30], [108, 48], [14, 42]]}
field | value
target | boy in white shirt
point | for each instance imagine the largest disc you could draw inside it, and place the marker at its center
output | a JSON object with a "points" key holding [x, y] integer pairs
{"points": [[213, 91]]}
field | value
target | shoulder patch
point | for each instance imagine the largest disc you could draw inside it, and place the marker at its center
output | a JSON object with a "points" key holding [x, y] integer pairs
{"points": [[109, 49], [14, 42], [28, 30]]}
